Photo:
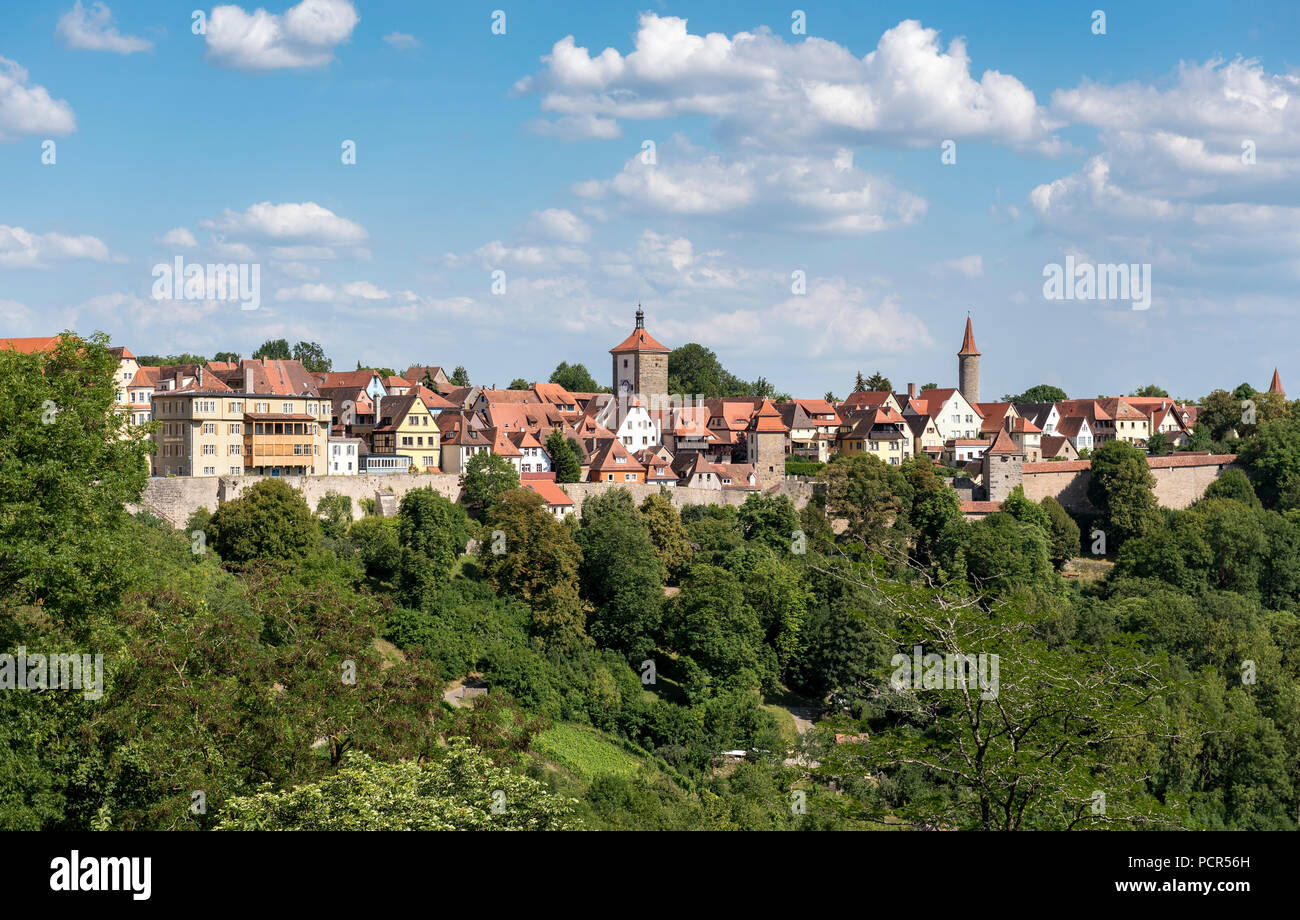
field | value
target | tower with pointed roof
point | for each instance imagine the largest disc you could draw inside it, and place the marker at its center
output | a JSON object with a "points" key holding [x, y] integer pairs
{"points": [[765, 436], [1276, 385], [968, 367], [640, 364]]}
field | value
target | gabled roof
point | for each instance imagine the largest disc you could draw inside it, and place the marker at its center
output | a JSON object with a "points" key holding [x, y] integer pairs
{"points": [[549, 491], [968, 341], [768, 420], [604, 458], [554, 394], [145, 377], [30, 345], [1003, 444], [336, 379]]}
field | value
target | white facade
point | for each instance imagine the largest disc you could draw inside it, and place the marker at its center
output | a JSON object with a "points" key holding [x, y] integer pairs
{"points": [[343, 454]]}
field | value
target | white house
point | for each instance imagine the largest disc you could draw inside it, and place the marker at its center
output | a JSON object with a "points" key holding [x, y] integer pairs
{"points": [[344, 456]]}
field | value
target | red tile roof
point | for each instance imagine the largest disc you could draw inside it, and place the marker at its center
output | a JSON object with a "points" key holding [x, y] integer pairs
{"points": [[548, 490], [968, 341], [639, 340]]}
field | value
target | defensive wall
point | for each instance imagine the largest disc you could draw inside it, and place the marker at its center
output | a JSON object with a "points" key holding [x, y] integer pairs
{"points": [[175, 498]]}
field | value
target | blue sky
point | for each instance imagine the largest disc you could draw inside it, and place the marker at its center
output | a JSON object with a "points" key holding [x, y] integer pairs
{"points": [[775, 152]]}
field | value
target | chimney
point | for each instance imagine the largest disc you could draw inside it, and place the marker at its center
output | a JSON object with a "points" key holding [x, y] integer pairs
{"points": [[911, 390], [1009, 424], [248, 378]]}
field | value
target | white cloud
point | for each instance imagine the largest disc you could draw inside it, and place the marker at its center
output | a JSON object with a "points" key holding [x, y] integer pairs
{"points": [[307, 223], [304, 253], [578, 128], [21, 248], [179, 238], [401, 41], [497, 254], [365, 290], [560, 224], [27, 109], [93, 30], [825, 194], [313, 293], [909, 91], [305, 36]]}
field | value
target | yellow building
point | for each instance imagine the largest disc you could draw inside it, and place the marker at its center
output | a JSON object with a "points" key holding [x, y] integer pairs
{"points": [[406, 427]]}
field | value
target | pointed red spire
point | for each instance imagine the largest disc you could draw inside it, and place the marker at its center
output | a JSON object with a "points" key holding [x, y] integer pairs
{"points": [[1276, 385], [968, 343]]}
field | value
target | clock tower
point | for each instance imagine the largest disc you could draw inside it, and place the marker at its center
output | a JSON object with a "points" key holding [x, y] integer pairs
{"points": [[640, 364]]}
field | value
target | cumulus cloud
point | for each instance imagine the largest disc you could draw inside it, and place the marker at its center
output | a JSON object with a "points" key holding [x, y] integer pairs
{"points": [[304, 36], [560, 224], [312, 293], [823, 194], [909, 91], [179, 238], [21, 248], [302, 223], [578, 128], [93, 30], [28, 109]]}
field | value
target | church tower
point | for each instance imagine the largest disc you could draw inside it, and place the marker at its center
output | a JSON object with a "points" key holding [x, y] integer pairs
{"points": [[640, 364], [968, 367]]}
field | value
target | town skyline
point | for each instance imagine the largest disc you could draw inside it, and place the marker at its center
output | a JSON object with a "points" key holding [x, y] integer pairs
{"points": [[805, 221]]}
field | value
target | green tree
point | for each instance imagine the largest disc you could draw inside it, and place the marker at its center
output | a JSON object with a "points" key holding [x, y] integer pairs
{"points": [[519, 383], [1025, 747], [231, 357], [1244, 391], [565, 463], [459, 377], [68, 465], [455, 792], [275, 349], [335, 513], [1273, 459], [1233, 484], [574, 377], [487, 477], [870, 495], [1121, 487], [1042, 393], [270, 521], [533, 556], [879, 383], [715, 627], [1151, 389], [696, 370], [770, 520], [860, 383], [668, 535], [432, 532], [1064, 534], [313, 357], [1221, 412], [621, 575]]}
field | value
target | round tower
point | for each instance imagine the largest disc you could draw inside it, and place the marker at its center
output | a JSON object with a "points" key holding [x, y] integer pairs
{"points": [[968, 367]]}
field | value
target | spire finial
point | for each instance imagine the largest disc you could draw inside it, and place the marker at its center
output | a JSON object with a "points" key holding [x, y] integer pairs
{"points": [[640, 317]]}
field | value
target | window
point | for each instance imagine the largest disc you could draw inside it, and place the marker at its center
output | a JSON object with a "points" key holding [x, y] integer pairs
{"points": [[236, 427], [209, 450], [236, 449], [209, 471], [209, 428], [287, 408], [609, 477], [235, 471], [237, 406], [629, 477]]}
